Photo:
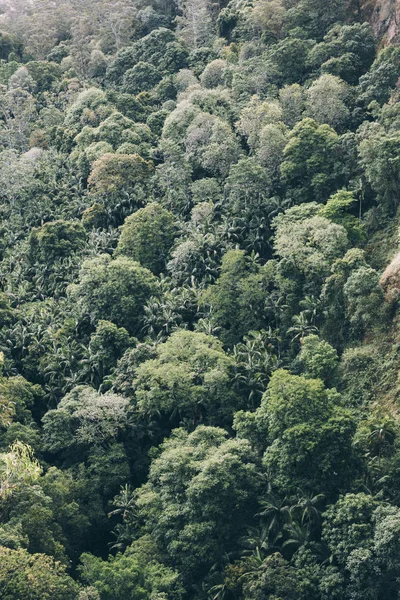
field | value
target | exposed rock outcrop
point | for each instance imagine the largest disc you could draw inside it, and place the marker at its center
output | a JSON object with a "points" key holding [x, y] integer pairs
{"points": [[390, 280], [384, 16]]}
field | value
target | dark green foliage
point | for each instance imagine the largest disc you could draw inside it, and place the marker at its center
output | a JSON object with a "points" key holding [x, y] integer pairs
{"points": [[300, 413], [236, 299], [9, 44], [45, 74], [313, 17], [147, 236], [142, 77], [199, 293], [312, 167], [114, 289], [377, 84], [347, 51], [290, 59], [55, 240], [159, 48]]}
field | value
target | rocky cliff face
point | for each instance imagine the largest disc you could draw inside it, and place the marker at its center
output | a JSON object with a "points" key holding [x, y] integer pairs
{"points": [[384, 16]]}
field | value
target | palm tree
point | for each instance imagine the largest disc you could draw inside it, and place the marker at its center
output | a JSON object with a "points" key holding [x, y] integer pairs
{"points": [[298, 535], [381, 439], [125, 507], [307, 509], [311, 306], [274, 513], [301, 326]]}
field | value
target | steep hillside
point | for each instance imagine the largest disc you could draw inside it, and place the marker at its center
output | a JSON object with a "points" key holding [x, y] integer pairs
{"points": [[199, 300], [384, 16]]}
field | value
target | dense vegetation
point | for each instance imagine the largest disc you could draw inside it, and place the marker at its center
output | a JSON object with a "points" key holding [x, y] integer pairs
{"points": [[199, 329]]}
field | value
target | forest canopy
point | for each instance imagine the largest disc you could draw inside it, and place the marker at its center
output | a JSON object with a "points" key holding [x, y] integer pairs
{"points": [[199, 295]]}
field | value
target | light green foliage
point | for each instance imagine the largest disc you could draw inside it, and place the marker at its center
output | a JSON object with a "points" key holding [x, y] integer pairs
{"points": [[292, 102], [272, 142], [84, 417], [267, 16], [211, 145], [246, 183], [291, 400], [191, 377], [18, 468], [136, 574], [318, 358], [114, 289], [255, 116], [147, 236], [195, 24], [214, 74], [33, 576], [336, 210], [325, 101], [308, 241]]}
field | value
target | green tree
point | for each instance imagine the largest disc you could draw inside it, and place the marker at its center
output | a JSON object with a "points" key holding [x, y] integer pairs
{"points": [[336, 210], [326, 101], [379, 156], [364, 299], [312, 167], [378, 83], [308, 432], [107, 345], [34, 577], [147, 236], [318, 358], [138, 574], [56, 240], [275, 578], [114, 289], [19, 468], [347, 51], [236, 300], [307, 243], [113, 173], [191, 378], [84, 417], [200, 485], [140, 78]]}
